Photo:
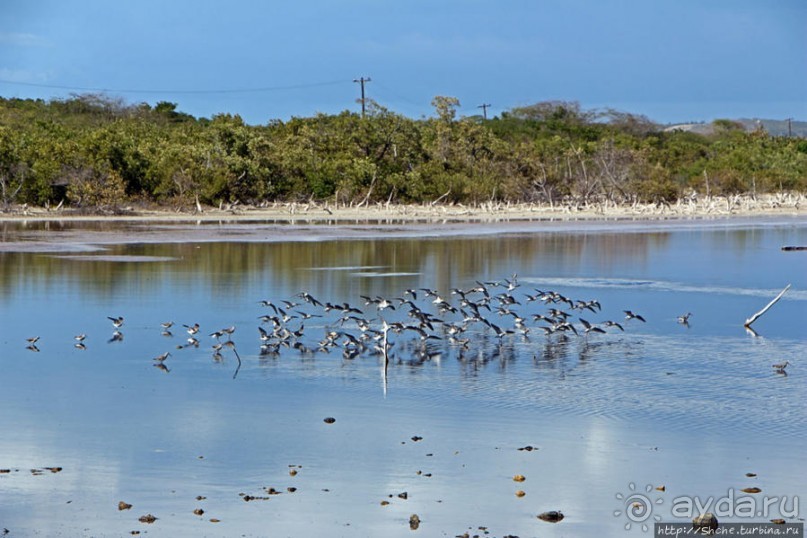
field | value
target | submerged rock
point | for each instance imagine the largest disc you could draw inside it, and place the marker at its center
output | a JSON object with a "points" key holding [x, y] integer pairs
{"points": [[553, 516], [705, 522]]}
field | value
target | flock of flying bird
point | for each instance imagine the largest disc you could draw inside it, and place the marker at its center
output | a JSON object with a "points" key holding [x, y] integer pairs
{"points": [[469, 317]]}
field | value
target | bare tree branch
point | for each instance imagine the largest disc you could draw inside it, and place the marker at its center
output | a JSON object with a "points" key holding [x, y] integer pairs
{"points": [[756, 316]]}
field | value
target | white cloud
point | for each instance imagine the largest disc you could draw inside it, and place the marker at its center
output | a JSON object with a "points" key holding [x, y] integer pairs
{"points": [[22, 39], [24, 75], [427, 44]]}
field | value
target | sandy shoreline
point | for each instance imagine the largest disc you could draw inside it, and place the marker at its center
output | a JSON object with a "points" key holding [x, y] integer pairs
{"points": [[42, 231], [707, 208]]}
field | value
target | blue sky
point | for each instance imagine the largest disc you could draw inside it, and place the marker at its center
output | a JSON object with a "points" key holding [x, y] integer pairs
{"points": [[673, 60]]}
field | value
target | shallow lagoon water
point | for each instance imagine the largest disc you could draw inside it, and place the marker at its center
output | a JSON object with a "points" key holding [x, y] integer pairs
{"points": [[691, 408]]}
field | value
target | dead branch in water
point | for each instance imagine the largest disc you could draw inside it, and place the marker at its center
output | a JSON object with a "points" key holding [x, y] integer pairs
{"points": [[756, 316]]}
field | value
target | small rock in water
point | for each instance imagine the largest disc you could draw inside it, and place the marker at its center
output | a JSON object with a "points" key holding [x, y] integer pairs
{"points": [[329, 420], [414, 522], [553, 516], [705, 522]]}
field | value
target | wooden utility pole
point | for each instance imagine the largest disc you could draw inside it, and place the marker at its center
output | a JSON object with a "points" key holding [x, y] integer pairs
{"points": [[484, 107], [789, 128], [361, 81]]}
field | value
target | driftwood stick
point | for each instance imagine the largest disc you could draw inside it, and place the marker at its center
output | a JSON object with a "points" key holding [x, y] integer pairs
{"points": [[437, 201], [369, 192], [756, 316]]}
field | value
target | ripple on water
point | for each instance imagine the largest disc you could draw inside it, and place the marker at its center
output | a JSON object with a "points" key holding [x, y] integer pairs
{"points": [[346, 268], [118, 258], [711, 382], [662, 286], [376, 274]]}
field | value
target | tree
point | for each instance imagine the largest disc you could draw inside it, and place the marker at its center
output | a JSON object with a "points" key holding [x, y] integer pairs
{"points": [[14, 171]]}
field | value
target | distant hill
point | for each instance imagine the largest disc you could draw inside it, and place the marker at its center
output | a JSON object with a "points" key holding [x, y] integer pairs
{"points": [[773, 127]]}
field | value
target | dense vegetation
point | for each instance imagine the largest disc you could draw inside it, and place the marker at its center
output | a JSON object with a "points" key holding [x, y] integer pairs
{"points": [[92, 151]]}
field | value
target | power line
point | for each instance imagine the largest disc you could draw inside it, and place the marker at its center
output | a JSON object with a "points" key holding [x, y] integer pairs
{"points": [[175, 91], [399, 97]]}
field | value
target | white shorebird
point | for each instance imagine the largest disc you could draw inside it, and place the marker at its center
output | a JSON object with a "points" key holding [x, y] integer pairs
{"points": [[307, 297], [781, 366], [589, 327], [116, 322], [630, 315], [684, 319]]}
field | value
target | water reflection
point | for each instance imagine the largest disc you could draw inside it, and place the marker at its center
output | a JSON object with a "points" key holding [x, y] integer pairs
{"points": [[604, 410], [233, 266]]}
